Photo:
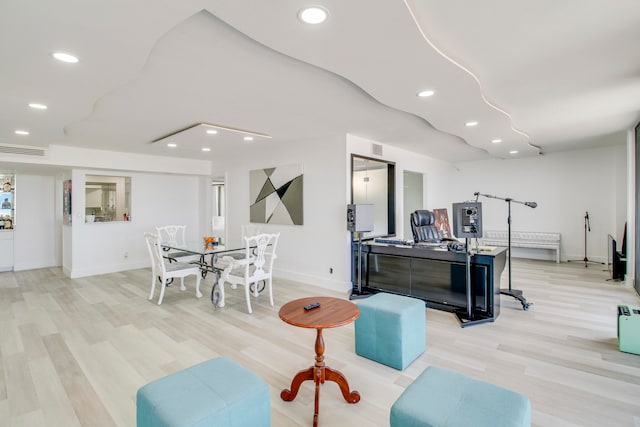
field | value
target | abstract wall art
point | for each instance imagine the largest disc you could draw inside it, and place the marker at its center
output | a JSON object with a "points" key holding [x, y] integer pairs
{"points": [[276, 195]]}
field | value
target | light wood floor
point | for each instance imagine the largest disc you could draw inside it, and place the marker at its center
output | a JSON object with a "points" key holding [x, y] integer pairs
{"points": [[74, 352]]}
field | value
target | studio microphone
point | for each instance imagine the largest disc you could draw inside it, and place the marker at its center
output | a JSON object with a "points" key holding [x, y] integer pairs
{"points": [[531, 204]]}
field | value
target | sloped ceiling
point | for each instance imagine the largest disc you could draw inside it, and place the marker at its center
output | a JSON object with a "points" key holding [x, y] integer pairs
{"points": [[540, 76]]}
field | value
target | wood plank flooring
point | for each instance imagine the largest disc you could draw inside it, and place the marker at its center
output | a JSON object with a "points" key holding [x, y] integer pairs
{"points": [[74, 352]]}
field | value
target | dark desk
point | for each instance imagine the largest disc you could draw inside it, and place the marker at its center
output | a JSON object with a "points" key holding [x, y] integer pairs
{"points": [[434, 275]]}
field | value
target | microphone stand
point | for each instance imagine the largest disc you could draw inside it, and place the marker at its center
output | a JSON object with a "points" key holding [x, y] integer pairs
{"points": [[511, 292], [587, 226]]}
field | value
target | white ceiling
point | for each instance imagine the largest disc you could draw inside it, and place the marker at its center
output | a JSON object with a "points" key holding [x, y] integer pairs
{"points": [[541, 75]]}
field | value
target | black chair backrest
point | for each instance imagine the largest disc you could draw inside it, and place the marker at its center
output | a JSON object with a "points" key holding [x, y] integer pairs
{"points": [[423, 226]]}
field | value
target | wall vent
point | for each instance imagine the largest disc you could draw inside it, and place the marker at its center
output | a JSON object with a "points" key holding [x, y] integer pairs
{"points": [[22, 150], [376, 149]]}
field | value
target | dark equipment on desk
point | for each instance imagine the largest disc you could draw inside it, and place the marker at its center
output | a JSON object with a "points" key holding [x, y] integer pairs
{"points": [[511, 292], [629, 329]]}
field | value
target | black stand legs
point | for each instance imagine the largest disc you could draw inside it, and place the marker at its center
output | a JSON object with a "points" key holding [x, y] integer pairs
{"points": [[512, 292], [587, 227], [470, 317]]}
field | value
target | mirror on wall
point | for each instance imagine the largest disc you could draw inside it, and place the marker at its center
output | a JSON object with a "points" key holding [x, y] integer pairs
{"points": [[373, 182], [107, 198]]}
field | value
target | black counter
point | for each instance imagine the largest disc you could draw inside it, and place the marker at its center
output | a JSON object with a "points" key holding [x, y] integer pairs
{"points": [[435, 275]]}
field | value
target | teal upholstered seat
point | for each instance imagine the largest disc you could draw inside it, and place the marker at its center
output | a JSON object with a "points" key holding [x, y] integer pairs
{"points": [[391, 329], [439, 397], [215, 393]]}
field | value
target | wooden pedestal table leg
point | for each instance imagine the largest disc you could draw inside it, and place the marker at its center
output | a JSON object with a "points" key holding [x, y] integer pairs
{"points": [[319, 373]]}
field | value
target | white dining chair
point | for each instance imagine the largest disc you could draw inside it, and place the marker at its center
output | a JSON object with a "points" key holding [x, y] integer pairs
{"points": [[173, 235], [164, 270], [255, 266]]}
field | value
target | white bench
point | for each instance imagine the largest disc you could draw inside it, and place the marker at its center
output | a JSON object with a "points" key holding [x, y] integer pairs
{"points": [[523, 239]]}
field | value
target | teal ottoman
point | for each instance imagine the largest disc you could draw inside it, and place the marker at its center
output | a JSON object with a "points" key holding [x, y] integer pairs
{"points": [[391, 329], [439, 397], [215, 393]]}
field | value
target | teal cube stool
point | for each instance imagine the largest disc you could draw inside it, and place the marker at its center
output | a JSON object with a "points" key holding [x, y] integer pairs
{"points": [[391, 329], [439, 397], [215, 393]]}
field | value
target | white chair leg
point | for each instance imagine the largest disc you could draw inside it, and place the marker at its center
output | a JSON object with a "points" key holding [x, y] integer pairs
{"points": [[248, 297], [221, 287], [182, 288], [153, 285], [163, 284], [270, 292], [198, 293]]}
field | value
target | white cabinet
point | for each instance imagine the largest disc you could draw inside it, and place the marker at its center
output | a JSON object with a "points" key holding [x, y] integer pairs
{"points": [[6, 250]]}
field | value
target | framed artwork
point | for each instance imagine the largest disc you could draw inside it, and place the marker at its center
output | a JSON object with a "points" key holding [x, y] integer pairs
{"points": [[276, 195], [66, 202], [442, 222]]}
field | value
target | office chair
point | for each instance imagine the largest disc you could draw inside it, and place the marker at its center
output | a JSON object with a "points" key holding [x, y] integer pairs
{"points": [[423, 226]]}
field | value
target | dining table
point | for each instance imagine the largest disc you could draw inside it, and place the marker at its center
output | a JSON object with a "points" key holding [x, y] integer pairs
{"points": [[207, 259]]}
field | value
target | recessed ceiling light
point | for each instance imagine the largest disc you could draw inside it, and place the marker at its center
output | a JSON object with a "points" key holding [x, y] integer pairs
{"points": [[426, 93], [21, 132], [206, 149], [471, 124], [313, 15], [65, 57], [248, 138], [513, 152], [496, 141], [37, 106], [172, 145], [212, 131]]}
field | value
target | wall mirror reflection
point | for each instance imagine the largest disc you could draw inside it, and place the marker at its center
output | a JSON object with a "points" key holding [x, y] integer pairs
{"points": [[373, 182], [107, 198]]}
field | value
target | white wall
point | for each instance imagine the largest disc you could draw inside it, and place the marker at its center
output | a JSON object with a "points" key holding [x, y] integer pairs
{"points": [[99, 248], [36, 240], [306, 253], [565, 186]]}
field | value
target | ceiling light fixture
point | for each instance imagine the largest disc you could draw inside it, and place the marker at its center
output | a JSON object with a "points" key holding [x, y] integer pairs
{"points": [[37, 106], [496, 141], [471, 124], [172, 145], [313, 15], [65, 57], [211, 129], [426, 93], [513, 152], [21, 132], [248, 138], [206, 149]]}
